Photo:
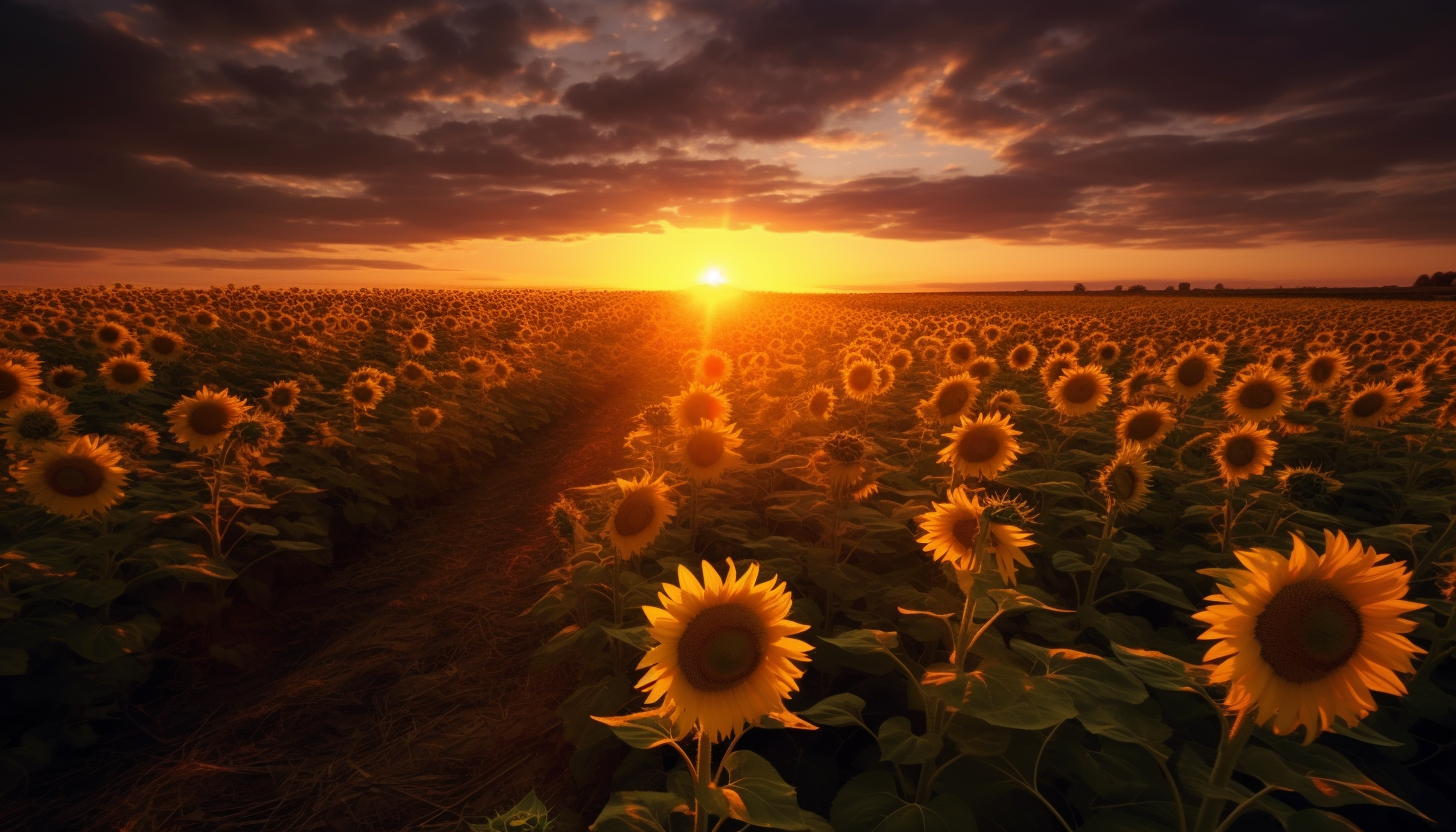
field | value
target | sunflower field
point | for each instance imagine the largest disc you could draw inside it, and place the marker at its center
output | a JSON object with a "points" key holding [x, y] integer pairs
{"points": [[946, 563], [174, 458], [889, 563]]}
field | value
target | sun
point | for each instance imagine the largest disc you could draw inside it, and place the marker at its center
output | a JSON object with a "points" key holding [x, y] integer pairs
{"points": [[712, 277]]}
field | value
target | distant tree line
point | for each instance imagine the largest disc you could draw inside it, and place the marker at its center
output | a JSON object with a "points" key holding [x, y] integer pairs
{"points": [[1436, 279]]}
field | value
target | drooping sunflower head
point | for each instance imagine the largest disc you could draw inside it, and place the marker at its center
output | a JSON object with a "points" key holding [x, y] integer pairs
{"points": [[1022, 357], [1243, 452], [17, 381], [62, 379], [1305, 640], [75, 478], [1372, 405], [821, 402], [1145, 425], [981, 447], [953, 398], [655, 418], [724, 655], [1193, 372], [138, 440], [709, 449], [842, 464], [1126, 481], [1006, 402], [639, 516], [1080, 390], [1323, 370], [203, 421], [699, 403], [982, 368], [1308, 487], [953, 531], [125, 374]]}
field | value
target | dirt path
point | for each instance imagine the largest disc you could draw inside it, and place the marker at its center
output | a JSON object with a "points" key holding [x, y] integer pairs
{"points": [[406, 699]]}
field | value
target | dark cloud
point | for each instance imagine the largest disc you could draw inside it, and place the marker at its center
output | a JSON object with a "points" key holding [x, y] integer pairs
{"points": [[291, 263], [1174, 123]]}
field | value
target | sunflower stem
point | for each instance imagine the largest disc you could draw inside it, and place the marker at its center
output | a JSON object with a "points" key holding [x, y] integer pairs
{"points": [[1229, 747], [1099, 560], [704, 775], [964, 640]]}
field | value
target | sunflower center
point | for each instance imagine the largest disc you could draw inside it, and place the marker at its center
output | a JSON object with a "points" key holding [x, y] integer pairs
{"points": [[38, 424], [699, 407], [1256, 395], [1321, 370], [162, 345], [978, 446], [861, 377], [281, 396], [1079, 389], [108, 335], [1307, 631], [60, 379], [363, 394], [960, 353], [9, 384], [1021, 355], [74, 477], [208, 419], [713, 367], [819, 404], [1123, 483], [705, 449], [1192, 371], [952, 399], [419, 340], [1239, 451], [1144, 426], [425, 418], [126, 373], [722, 646], [965, 531], [634, 514], [1368, 404]]}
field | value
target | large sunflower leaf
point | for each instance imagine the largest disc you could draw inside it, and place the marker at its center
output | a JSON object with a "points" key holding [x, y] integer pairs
{"points": [[1321, 775], [871, 803]]}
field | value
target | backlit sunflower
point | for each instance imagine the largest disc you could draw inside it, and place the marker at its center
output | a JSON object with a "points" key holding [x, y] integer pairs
{"points": [[712, 367], [640, 515], [425, 419], [960, 352], [363, 394], [841, 464], [1306, 640], [1192, 373], [952, 528], [1006, 402], [282, 396], [821, 402], [75, 478], [1258, 394], [419, 342], [1243, 452], [699, 403], [1145, 425], [1080, 390], [1372, 405], [1125, 481], [861, 380], [724, 654], [1022, 357], [36, 421], [413, 373], [981, 447], [162, 345], [953, 398], [204, 420], [1323, 370], [1138, 384], [1054, 367], [709, 449], [125, 374], [111, 335], [17, 381], [982, 368], [62, 379]]}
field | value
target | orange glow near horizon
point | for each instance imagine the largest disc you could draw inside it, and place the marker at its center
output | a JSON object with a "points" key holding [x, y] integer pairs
{"points": [[759, 260]]}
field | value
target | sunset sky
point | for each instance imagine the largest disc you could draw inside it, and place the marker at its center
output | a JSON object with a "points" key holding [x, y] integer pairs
{"points": [[801, 145]]}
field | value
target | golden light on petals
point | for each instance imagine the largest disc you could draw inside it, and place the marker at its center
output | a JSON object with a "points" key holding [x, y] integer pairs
{"points": [[1192, 372], [75, 478], [952, 398], [17, 381], [204, 420], [1258, 394], [1080, 390], [1145, 425], [951, 530], [1126, 480], [981, 447], [699, 403], [125, 374], [709, 449], [639, 516], [1242, 453]]}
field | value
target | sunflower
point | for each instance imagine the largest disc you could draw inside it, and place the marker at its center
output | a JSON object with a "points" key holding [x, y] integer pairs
{"points": [[413, 373], [75, 479], [61, 379], [17, 381], [640, 515], [1306, 640], [1259, 394], [1006, 402], [1054, 367], [983, 447], [1145, 425], [36, 421], [1138, 384], [960, 352], [1022, 357], [953, 398], [282, 396], [821, 402], [164, 346], [125, 374], [1372, 405], [840, 464], [709, 449], [204, 420], [861, 380], [699, 403], [982, 368], [425, 419], [1192, 373], [712, 367], [419, 342], [111, 335], [1080, 390], [724, 654], [1243, 452], [1323, 370], [952, 528], [1125, 480], [363, 394]]}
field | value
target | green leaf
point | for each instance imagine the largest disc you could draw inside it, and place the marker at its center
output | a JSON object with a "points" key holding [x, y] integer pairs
{"points": [[260, 529], [1151, 585], [758, 796], [83, 591], [1401, 534], [647, 729], [200, 571], [1157, 670], [898, 744], [1001, 694], [1069, 561], [104, 641], [783, 719], [841, 709], [639, 812], [634, 637], [1085, 676], [1011, 600], [976, 738], [871, 803], [1122, 722], [1321, 775], [1318, 820], [297, 545], [13, 661]]}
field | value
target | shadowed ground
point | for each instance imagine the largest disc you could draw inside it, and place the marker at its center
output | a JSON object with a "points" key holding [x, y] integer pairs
{"points": [[402, 697]]}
